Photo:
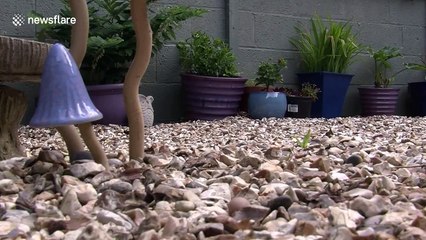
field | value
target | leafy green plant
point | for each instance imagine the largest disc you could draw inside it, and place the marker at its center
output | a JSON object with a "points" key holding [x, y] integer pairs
{"points": [[310, 90], [250, 83], [200, 54], [416, 66], [329, 48], [305, 141], [269, 74], [112, 43], [382, 65]]}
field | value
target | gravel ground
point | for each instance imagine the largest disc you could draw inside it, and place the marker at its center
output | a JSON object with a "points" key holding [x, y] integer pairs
{"points": [[238, 178]]}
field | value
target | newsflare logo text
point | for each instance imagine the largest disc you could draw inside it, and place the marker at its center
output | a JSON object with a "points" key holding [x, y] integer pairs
{"points": [[20, 20]]}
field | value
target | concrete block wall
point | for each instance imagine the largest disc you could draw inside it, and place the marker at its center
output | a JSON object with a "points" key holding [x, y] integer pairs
{"points": [[260, 30], [266, 26]]}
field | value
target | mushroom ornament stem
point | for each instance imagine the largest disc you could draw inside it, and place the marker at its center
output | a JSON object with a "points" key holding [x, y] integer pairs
{"points": [[79, 36], [133, 77]]}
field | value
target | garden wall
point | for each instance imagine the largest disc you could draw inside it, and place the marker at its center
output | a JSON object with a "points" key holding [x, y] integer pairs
{"points": [[258, 30]]}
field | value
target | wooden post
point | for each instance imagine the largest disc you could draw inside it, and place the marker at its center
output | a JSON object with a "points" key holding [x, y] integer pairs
{"points": [[137, 69], [12, 109]]}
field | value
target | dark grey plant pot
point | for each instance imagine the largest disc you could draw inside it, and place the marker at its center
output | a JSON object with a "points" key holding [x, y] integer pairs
{"points": [[416, 98], [299, 106]]}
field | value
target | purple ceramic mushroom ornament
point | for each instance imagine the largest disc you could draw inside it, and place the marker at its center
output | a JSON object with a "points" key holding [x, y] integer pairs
{"points": [[63, 98]]}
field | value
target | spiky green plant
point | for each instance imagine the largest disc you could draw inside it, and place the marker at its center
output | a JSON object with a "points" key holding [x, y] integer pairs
{"points": [[305, 141], [329, 47]]}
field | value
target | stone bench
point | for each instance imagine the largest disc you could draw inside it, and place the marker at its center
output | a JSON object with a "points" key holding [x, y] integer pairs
{"points": [[21, 61]]}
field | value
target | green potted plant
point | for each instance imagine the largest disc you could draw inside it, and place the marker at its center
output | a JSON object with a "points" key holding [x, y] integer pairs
{"points": [[326, 51], [299, 102], [417, 91], [212, 87], [268, 103], [111, 47], [381, 99]]}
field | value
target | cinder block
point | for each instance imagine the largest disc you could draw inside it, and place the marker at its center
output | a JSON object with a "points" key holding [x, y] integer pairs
{"points": [[246, 29], [380, 35], [263, 32], [168, 65], [48, 8], [213, 23], [151, 72], [11, 9], [404, 12], [273, 32], [365, 11], [197, 3], [414, 42], [167, 101]]}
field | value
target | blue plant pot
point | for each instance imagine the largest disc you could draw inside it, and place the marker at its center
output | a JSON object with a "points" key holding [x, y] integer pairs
{"points": [[333, 92], [267, 104]]}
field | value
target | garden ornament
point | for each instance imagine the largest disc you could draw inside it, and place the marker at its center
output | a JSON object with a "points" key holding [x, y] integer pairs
{"points": [[63, 98], [132, 80], [147, 109], [141, 25], [79, 35]]}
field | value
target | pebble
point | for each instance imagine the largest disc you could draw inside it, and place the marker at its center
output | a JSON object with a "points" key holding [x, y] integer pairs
{"points": [[236, 178], [354, 160], [83, 170], [184, 206], [7, 186]]}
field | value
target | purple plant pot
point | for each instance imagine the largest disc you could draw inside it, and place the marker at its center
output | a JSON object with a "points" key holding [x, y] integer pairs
{"points": [[378, 101], [211, 98], [109, 100]]}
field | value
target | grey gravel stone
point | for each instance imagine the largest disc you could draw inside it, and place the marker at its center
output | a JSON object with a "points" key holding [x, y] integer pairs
{"points": [[360, 178]]}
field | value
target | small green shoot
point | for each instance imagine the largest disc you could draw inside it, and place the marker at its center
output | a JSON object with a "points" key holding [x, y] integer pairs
{"points": [[306, 140]]}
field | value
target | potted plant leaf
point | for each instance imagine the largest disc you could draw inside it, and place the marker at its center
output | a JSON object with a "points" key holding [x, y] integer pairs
{"points": [[417, 91], [326, 51], [268, 103], [381, 99], [111, 47], [299, 102], [212, 87]]}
